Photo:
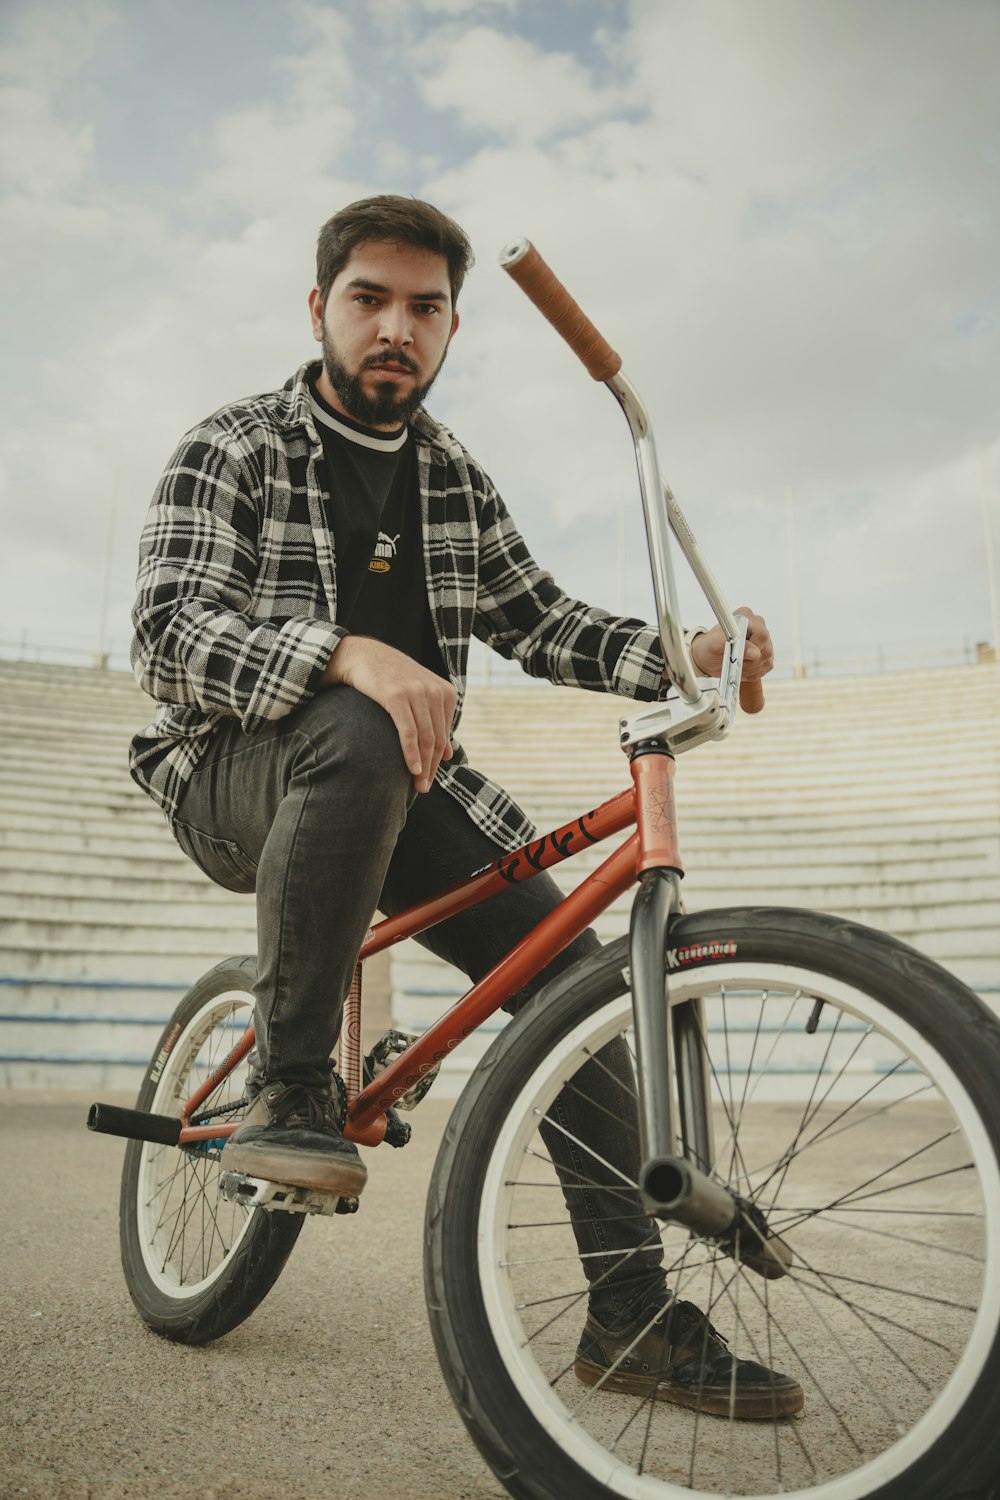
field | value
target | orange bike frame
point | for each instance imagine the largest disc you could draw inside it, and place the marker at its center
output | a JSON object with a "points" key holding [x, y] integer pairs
{"points": [[649, 805]]}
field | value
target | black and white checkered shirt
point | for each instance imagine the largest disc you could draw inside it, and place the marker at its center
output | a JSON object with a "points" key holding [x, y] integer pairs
{"points": [[237, 593]]}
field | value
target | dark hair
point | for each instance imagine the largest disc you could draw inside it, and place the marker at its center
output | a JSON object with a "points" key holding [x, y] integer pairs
{"points": [[409, 221]]}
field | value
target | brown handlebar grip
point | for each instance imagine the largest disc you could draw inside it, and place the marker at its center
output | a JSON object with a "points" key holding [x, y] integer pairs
{"points": [[522, 261], [751, 697]]}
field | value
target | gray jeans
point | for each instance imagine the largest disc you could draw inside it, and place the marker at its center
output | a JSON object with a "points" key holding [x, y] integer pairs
{"points": [[317, 813]]}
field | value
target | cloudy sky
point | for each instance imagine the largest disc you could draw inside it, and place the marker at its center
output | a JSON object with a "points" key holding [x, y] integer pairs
{"points": [[785, 215]]}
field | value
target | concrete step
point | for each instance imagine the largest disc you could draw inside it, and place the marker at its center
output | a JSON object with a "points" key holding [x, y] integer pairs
{"points": [[90, 912], [154, 937], [100, 1077], [174, 964], [27, 830], [95, 999], [125, 889], [167, 864]]}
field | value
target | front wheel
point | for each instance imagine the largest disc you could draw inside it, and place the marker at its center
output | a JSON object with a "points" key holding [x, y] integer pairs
{"points": [[197, 1265], [854, 1099]]}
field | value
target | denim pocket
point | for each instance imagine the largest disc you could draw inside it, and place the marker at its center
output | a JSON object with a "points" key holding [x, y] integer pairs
{"points": [[220, 859]]}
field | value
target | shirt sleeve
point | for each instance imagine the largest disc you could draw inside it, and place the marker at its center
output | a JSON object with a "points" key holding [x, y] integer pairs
{"points": [[197, 641], [524, 615]]}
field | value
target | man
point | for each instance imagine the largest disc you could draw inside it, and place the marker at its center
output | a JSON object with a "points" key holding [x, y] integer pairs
{"points": [[313, 566]]}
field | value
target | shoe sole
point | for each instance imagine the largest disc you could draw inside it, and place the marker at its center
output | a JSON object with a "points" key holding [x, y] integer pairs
{"points": [[762, 1405], [299, 1168]]}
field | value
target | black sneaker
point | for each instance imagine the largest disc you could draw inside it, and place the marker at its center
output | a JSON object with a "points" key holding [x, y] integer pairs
{"points": [[683, 1359], [292, 1133]]}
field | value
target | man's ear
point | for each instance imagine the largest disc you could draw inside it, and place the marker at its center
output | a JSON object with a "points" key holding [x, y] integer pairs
{"points": [[454, 328], [316, 314]]}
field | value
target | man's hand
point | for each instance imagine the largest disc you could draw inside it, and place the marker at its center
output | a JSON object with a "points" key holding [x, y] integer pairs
{"points": [[758, 657], [420, 703]]}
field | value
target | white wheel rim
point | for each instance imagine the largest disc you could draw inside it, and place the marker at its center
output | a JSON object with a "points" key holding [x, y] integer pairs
{"points": [[536, 1093], [160, 1166]]}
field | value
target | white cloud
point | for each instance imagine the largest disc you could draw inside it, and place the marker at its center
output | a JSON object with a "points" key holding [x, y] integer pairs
{"points": [[42, 153], [784, 216], [507, 86]]}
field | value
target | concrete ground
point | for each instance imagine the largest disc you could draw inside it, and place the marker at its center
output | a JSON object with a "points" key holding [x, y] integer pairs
{"points": [[330, 1389]]}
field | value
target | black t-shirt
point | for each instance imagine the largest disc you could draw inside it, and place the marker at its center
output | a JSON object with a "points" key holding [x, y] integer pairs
{"points": [[373, 510]]}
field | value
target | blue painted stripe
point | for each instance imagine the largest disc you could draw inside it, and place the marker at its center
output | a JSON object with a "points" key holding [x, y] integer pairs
{"points": [[56, 1019], [94, 1059], [73, 1060], [98, 984]]}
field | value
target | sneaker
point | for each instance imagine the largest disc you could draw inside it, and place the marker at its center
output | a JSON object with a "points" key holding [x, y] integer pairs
{"points": [[681, 1358], [292, 1134]]}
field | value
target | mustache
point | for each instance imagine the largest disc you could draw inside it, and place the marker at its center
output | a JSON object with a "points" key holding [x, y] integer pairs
{"points": [[374, 360]]}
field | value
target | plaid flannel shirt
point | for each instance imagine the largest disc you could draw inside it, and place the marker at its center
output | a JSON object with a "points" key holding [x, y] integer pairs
{"points": [[236, 614]]}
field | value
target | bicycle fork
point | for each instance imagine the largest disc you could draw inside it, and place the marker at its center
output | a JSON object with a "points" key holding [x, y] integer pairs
{"points": [[677, 1186]]}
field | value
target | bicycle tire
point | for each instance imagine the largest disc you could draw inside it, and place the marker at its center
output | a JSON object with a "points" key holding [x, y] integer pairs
{"points": [[196, 1266], [498, 1301]]}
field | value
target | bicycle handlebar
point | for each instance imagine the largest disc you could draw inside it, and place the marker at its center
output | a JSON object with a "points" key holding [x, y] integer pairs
{"points": [[539, 282]]}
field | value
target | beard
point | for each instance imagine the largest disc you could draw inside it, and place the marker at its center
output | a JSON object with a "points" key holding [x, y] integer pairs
{"points": [[389, 403]]}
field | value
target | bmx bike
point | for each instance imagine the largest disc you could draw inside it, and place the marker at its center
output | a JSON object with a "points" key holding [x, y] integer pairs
{"points": [[815, 1115]]}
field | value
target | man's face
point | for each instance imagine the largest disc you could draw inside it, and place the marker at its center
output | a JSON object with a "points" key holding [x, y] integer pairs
{"points": [[385, 329]]}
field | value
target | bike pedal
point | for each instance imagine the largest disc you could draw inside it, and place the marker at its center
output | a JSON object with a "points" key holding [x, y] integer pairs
{"points": [[279, 1197], [385, 1051]]}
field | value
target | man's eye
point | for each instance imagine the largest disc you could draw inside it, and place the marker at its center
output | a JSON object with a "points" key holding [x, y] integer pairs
{"points": [[366, 298], [427, 307]]}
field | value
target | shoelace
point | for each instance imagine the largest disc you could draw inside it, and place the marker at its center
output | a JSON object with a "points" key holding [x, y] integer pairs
{"points": [[297, 1104], [686, 1324]]}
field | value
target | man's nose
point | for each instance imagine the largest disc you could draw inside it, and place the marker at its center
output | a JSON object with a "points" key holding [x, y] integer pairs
{"points": [[395, 327]]}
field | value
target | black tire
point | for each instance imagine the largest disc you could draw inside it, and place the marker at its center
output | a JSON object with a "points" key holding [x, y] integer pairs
{"points": [[892, 1291], [195, 1265]]}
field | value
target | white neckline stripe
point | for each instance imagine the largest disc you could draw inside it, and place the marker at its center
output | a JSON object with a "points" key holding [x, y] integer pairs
{"points": [[381, 445]]}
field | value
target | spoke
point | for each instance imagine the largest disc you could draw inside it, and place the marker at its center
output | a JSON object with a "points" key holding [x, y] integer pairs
{"points": [[183, 1225], [731, 1111], [873, 1384], [830, 1133], [733, 1126], [593, 1057], [862, 1315], [589, 1150], [588, 1288], [808, 1113], [806, 1366], [627, 1193], [862, 1312], [592, 1104], [749, 1074], [856, 1193], [849, 1201], [167, 1183], [896, 1291], [551, 1260], [905, 1239], [800, 1214], [596, 1219]]}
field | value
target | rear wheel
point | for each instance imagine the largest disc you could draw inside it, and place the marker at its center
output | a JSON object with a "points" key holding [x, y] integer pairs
{"points": [[855, 1102], [197, 1265]]}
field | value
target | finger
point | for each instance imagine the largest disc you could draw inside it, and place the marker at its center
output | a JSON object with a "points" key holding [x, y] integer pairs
{"points": [[442, 725], [409, 739], [751, 696], [429, 751]]}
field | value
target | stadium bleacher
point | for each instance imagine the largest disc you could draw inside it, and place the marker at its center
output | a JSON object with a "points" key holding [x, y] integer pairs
{"points": [[876, 797]]}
